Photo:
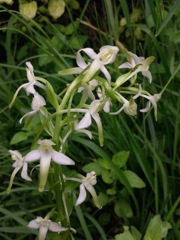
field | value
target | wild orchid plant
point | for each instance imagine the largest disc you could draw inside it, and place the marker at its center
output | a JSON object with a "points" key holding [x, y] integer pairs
{"points": [[99, 91]]}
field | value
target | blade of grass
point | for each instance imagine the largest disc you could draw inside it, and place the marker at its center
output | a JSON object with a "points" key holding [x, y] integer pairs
{"points": [[97, 226], [83, 223], [169, 16]]}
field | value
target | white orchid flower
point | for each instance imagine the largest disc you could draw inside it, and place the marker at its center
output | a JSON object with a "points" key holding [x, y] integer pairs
{"points": [[106, 55], [141, 63], [105, 99], [87, 185], [37, 102], [44, 225], [88, 89], [129, 107], [45, 153], [152, 100], [86, 121], [28, 87], [17, 165]]}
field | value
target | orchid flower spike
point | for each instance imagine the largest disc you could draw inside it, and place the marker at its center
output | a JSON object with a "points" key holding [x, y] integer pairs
{"points": [[17, 165], [45, 153], [139, 64], [86, 121], [44, 225], [37, 103], [28, 87], [152, 100], [87, 184]]}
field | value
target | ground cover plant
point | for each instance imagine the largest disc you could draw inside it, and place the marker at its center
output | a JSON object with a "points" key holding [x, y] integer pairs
{"points": [[89, 120]]}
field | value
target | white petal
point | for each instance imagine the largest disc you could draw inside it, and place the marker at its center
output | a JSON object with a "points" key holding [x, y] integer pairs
{"points": [[148, 75], [27, 115], [146, 109], [37, 102], [97, 119], [42, 232], [61, 158], [90, 52], [33, 224], [30, 66], [106, 73], [107, 105], [32, 156], [80, 61], [85, 122], [29, 88], [15, 155], [24, 174], [126, 65], [88, 133], [82, 195], [108, 53], [44, 167], [55, 227], [92, 191]]}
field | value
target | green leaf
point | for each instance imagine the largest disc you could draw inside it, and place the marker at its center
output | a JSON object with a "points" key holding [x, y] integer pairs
{"points": [[56, 8], [120, 158], [103, 199], [156, 229], [51, 95], [169, 16], [136, 234], [123, 209], [134, 180], [107, 176], [28, 9], [126, 235], [104, 163], [92, 167], [19, 137]]}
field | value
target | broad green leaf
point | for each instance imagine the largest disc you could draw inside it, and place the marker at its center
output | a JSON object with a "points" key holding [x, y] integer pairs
{"points": [[154, 233], [123, 209], [103, 199], [120, 158], [92, 167], [126, 235], [56, 8], [134, 180], [104, 163], [28, 9], [19, 137], [6, 1], [136, 234], [107, 176], [156, 229]]}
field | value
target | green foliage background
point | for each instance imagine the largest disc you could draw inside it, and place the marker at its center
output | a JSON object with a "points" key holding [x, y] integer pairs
{"points": [[133, 145]]}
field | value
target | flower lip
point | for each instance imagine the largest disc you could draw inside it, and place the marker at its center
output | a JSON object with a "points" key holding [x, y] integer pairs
{"points": [[108, 54]]}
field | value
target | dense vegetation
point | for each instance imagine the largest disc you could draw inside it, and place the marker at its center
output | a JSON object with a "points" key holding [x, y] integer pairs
{"points": [[138, 164]]}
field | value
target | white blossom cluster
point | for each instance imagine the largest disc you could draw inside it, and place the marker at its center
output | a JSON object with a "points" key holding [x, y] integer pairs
{"points": [[98, 93]]}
